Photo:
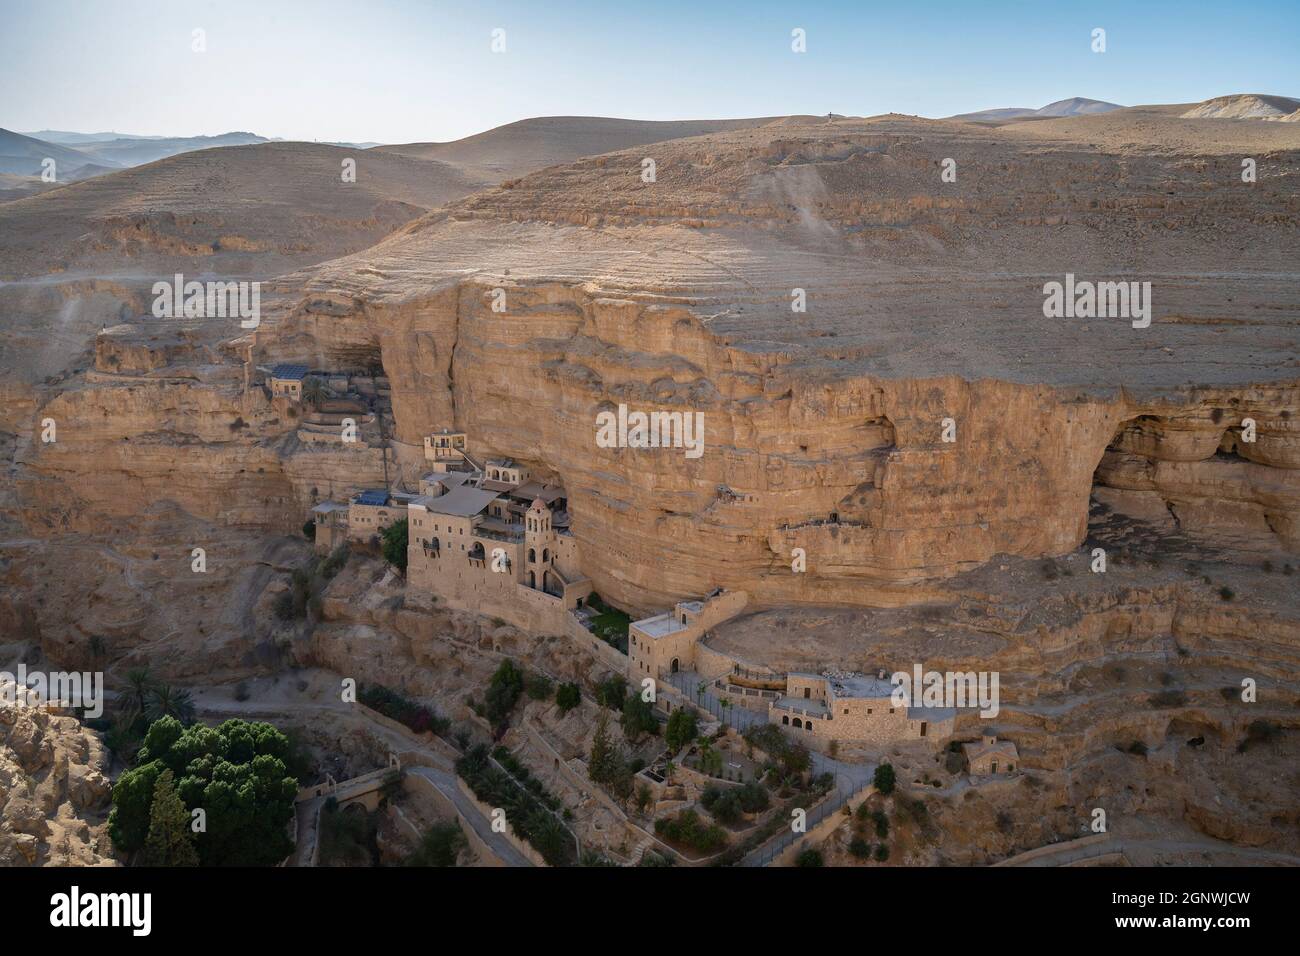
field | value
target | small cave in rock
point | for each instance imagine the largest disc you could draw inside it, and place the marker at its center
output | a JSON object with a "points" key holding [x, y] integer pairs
{"points": [[1127, 517]]}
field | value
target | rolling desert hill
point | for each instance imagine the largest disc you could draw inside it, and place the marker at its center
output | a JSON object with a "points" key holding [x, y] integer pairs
{"points": [[254, 208], [23, 155], [1075, 106], [1247, 106], [531, 144]]}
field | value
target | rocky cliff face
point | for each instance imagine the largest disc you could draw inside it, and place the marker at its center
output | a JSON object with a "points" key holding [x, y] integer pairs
{"points": [[54, 791], [918, 417]]}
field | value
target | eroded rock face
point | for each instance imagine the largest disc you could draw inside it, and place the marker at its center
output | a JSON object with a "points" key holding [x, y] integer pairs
{"points": [[826, 429], [54, 791]]}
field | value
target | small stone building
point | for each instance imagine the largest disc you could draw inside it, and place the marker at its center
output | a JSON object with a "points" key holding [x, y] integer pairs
{"points": [[286, 381], [990, 756], [855, 708], [445, 449], [667, 643], [331, 520], [370, 512]]}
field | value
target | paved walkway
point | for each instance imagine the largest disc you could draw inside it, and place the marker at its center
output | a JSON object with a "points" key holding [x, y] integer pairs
{"points": [[446, 784]]}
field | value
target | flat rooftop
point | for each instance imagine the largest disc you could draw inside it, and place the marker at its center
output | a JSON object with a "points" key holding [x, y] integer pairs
{"points": [[462, 502], [661, 625]]}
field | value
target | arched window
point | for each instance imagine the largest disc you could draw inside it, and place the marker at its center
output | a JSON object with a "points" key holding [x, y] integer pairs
{"points": [[546, 555], [532, 555], [785, 719], [674, 665], [798, 723], [532, 579]]}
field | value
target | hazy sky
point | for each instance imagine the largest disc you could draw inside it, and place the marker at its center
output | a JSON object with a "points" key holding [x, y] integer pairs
{"points": [[418, 70]]}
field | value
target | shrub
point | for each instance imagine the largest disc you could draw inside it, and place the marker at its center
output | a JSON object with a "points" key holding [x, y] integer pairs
{"points": [[567, 697], [884, 779], [538, 686], [1226, 593], [393, 705], [882, 853], [1167, 698], [689, 830], [882, 823], [810, 858], [860, 848]]}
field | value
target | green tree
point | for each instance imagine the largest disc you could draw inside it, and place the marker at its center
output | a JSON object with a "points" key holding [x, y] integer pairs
{"points": [[810, 858], [607, 765], [395, 538], [567, 697], [314, 390], [503, 691], [168, 701], [440, 846], [140, 682], [884, 779], [638, 718], [235, 772], [682, 729], [169, 842]]}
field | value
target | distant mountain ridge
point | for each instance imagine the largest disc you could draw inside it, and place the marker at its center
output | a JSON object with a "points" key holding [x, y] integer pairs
{"points": [[1074, 106]]}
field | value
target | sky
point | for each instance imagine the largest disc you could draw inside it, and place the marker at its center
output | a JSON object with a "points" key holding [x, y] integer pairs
{"points": [[398, 71]]}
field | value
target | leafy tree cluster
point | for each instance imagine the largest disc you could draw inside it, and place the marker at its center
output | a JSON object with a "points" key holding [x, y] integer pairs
{"points": [[682, 729], [441, 845], [503, 692], [884, 779], [791, 758], [234, 772], [523, 776], [394, 540], [727, 804], [608, 764], [393, 705], [612, 692], [526, 813], [689, 830]]}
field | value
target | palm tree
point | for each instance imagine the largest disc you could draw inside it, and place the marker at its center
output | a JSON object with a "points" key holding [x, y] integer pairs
{"points": [[141, 683], [314, 389], [168, 701]]}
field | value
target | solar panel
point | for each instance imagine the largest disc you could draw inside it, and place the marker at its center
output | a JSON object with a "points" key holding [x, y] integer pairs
{"points": [[377, 498], [289, 371]]}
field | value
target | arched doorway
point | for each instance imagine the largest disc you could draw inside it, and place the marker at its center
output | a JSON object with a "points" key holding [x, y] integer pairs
{"points": [[674, 666]]}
